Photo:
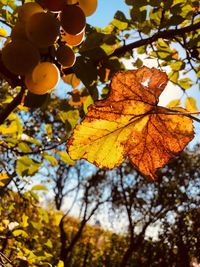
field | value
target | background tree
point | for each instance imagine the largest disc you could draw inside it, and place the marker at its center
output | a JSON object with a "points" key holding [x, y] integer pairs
{"points": [[161, 229]]}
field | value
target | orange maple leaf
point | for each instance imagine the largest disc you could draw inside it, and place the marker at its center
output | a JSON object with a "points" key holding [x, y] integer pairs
{"points": [[130, 123]]}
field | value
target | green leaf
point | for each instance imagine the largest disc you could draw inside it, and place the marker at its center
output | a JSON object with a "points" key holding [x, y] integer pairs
{"points": [[89, 101], [94, 40], [176, 66], [19, 232], [39, 187], [155, 16], [185, 83], [86, 71], [27, 166], [161, 44], [28, 139], [187, 11], [49, 130], [173, 76], [22, 146], [138, 14], [141, 49], [14, 128], [138, 63], [36, 225], [108, 49], [119, 15], [120, 21], [161, 54], [50, 158], [66, 158], [119, 24], [72, 116], [175, 20]]}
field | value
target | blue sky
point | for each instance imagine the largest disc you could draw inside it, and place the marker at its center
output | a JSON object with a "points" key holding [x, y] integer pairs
{"points": [[105, 12]]}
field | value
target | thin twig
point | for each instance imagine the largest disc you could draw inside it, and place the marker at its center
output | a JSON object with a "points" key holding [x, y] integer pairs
{"points": [[38, 151], [5, 23], [6, 258]]}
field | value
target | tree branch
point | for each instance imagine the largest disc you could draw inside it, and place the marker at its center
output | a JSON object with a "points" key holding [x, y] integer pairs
{"points": [[167, 34], [11, 106], [13, 80]]}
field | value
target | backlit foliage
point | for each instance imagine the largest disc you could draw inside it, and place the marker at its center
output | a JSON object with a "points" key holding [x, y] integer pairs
{"points": [[99, 97], [129, 123]]}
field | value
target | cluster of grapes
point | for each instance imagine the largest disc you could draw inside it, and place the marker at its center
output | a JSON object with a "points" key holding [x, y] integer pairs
{"points": [[42, 40]]}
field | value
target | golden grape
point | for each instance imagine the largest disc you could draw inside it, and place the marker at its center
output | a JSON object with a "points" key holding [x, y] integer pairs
{"points": [[43, 79], [72, 40], [20, 56], [71, 2], [42, 29], [27, 10], [65, 56], [53, 5], [72, 19], [18, 31], [88, 6]]}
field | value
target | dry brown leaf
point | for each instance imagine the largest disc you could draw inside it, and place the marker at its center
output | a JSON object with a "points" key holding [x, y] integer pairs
{"points": [[129, 123]]}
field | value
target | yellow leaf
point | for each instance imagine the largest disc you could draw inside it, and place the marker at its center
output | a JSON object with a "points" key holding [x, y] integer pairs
{"points": [[22, 108], [66, 158], [129, 123], [71, 79], [3, 178], [174, 103], [11, 129], [191, 104], [3, 32], [60, 264], [19, 232], [24, 222]]}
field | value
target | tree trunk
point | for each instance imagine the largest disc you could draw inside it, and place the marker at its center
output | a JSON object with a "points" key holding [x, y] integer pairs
{"points": [[127, 255]]}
